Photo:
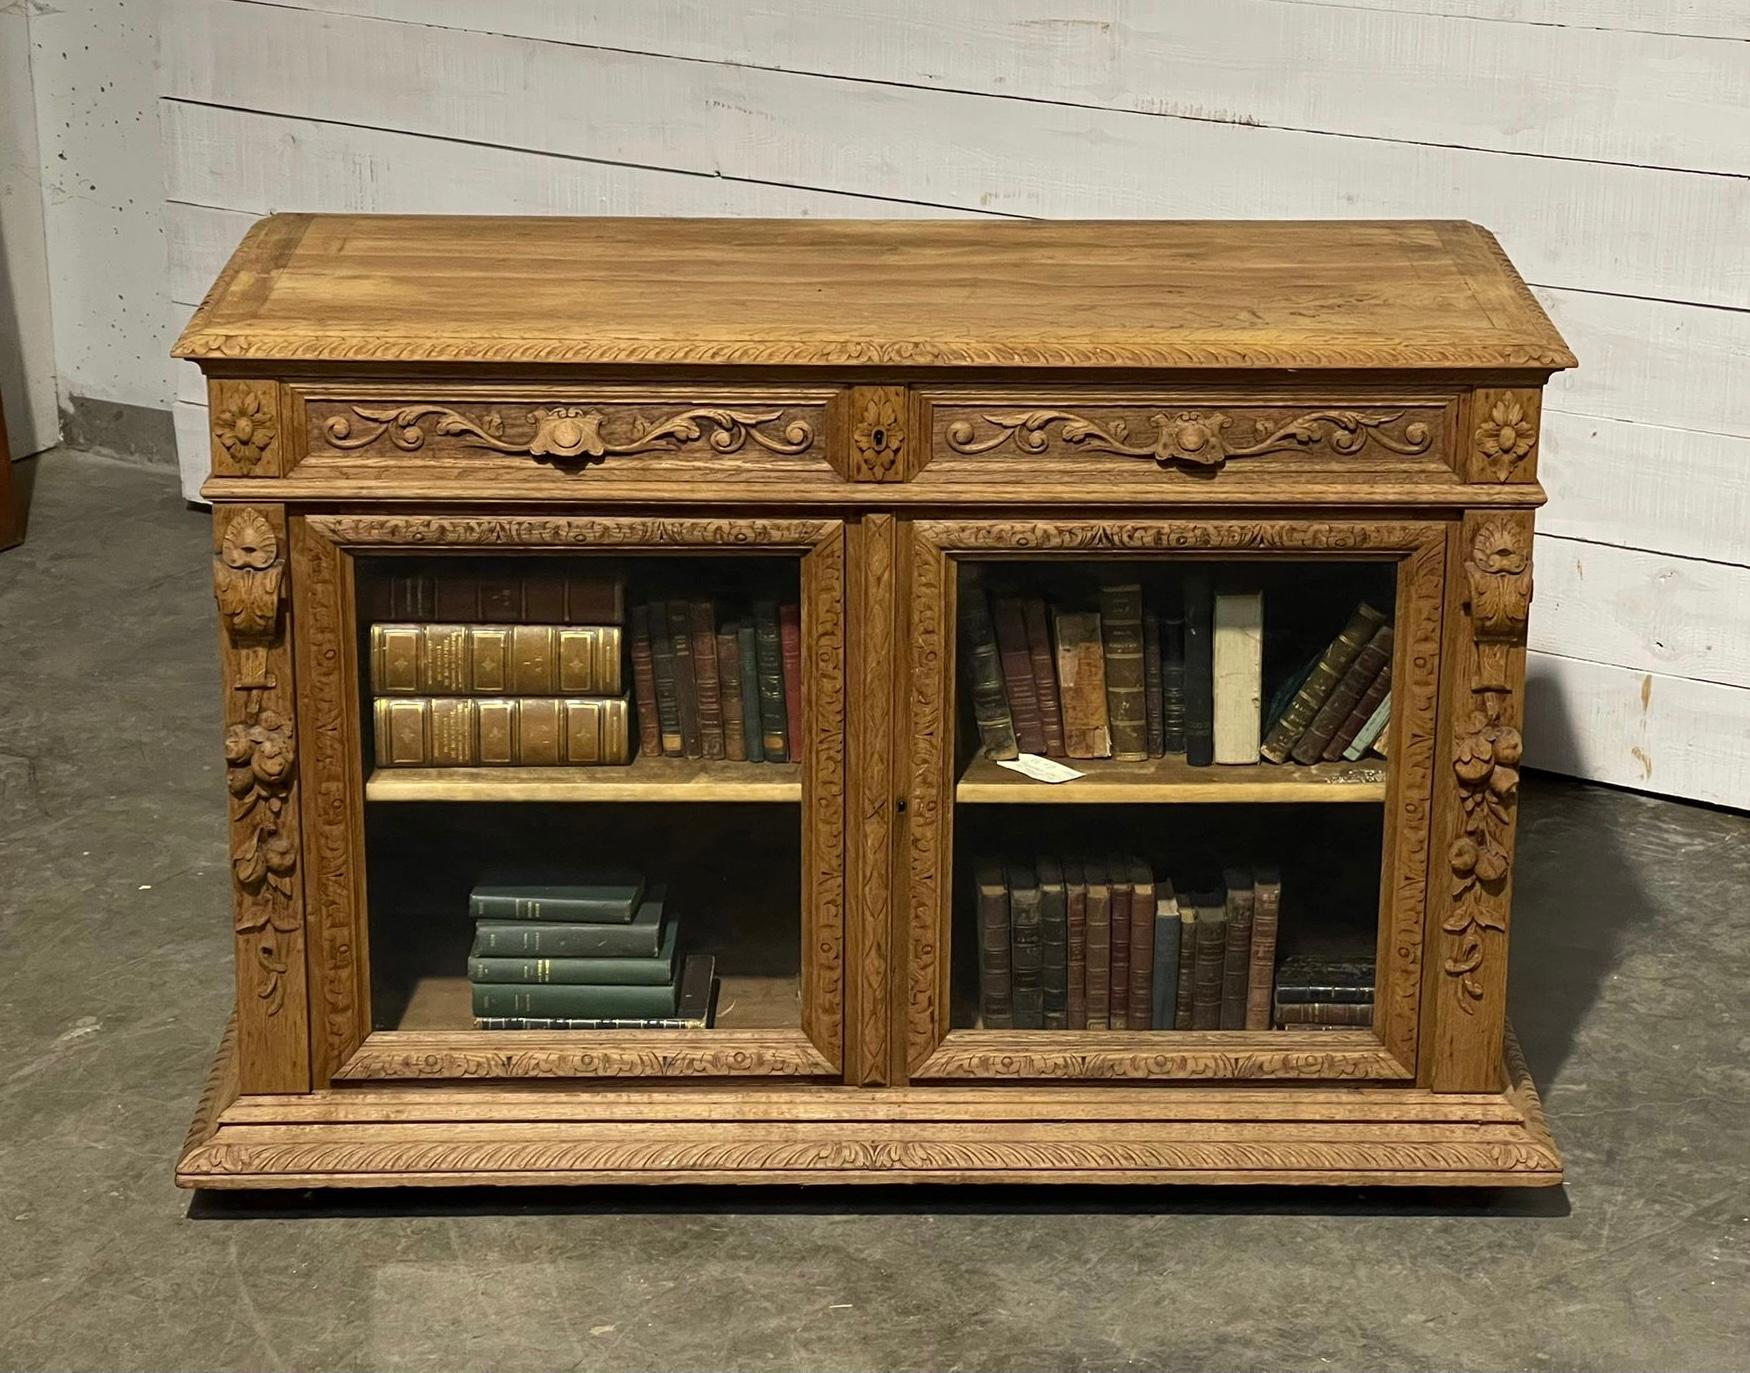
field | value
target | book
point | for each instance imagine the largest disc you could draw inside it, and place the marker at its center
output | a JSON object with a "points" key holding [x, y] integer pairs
{"points": [[703, 616], [1075, 891], [1286, 690], [748, 657], [790, 659], [1081, 685], [644, 684], [1237, 681], [1142, 946], [1026, 947], [1328, 1014], [1359, 675], [639, 938], [495, 660], [1371, 732], [686, 681], [1183, 1002], [1199, 669], [1211, 955], [1126, 690], [982, 663], [1016, 659], [668, 700], [729, 684], [572, 1000], [1118, 937], [1308, 977], [457, 595], [1320, 682], [1164, 1006], [654, 971], [1044, 675], [611, 896], [769, 673], [1054, 944], [1153, 701], [1173, 681], [692, 1008], [1237, 958], [502, 731], [996, 1005], [1099, 946], [1266, 913], [1360, 715]]}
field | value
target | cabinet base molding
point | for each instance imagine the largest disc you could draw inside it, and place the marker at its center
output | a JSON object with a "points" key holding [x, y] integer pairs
{"points": [[512, 1136]]}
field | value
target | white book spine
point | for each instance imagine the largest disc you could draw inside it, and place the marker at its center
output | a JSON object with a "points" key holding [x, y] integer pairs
{"points": [[1238, 675]]}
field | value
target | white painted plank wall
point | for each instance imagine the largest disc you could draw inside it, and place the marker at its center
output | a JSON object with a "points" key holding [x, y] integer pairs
{"points": [[1600, 140]]}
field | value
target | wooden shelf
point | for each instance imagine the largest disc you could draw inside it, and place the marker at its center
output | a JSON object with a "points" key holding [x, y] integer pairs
{"points": [[1171, 780], [645, 779], [745, 1001]]}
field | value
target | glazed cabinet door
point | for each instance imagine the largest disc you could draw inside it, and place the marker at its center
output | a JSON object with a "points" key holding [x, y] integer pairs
{"points": [[1169, 796], [571, 794]]}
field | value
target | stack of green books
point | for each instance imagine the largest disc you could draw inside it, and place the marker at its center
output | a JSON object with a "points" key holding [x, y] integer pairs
{"points": [[582, 951]]}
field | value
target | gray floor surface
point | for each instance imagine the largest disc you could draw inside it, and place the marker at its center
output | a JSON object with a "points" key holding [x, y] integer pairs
{"points": [[1630, 941]]}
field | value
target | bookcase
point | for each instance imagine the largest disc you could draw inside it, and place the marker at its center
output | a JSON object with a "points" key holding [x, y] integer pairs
{"points": [[1049, 692]]}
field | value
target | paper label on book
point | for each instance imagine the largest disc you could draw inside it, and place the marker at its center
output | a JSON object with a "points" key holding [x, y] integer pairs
{"points": [[1039, 769]]}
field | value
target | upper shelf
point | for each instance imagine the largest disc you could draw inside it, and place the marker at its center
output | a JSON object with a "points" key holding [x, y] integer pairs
{"points": [[644, 779], [1172, 780]]}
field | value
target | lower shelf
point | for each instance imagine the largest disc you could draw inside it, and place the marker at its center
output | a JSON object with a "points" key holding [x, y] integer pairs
{"points": [[748, 1001], [521, 1134]]}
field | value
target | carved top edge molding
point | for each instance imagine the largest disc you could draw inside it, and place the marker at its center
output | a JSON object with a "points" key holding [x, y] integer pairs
{"points": [[1187, 536], [561, 531]]}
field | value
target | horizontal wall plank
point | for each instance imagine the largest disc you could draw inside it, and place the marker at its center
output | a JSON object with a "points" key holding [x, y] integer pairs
{"points": [[1381, 73], [1699, 18], [1638, 729]]}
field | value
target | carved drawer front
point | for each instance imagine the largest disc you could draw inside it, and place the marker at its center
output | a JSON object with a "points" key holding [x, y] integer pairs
{"points": [[1111, 439]]}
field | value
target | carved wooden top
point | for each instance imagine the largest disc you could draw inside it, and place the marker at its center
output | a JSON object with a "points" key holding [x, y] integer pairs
{"points": [[1419, 295]]}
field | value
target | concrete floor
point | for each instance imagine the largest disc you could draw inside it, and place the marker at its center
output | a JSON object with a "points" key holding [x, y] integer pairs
{"points": [[1630, 947]]}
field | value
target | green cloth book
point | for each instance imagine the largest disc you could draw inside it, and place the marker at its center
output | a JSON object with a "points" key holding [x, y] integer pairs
{"points": [[573, 1002], [639, 938], [604, 896], [693, 1009], [655, 971]]}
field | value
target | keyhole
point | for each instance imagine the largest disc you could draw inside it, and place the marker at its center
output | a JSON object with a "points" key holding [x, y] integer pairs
{"points": [[879, 437]]}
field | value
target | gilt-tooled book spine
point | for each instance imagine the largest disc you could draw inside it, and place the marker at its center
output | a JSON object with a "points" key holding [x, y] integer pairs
{"points": [[512, 598], [639, 938], [572, 1001], [1344, 696], [1026, 947], [1188, 907], [1237, 650], [1266, 915], [729, 680], [1126, 687], [1307, 977], [748, 654], [1359, 717], [644, 684], [1371, 732], [1321, 682], [1075, 891], [1142, 947], [1054, 945], [668, 694], [1237, 958], [1173, 682], [1044, 675], [597, 898], [1081, 685], [1017, 663], [770, 659], [1118, 876], [495, 660], [1211, 957], [657, 971], [692, 1008], [982, 664], [703, 617], [1325, 1014], [1164, 1006], [502, 731], [790, 651], [1099, 946], [1199, 669], [686, 681], [1153, 699], [996, 1003]]}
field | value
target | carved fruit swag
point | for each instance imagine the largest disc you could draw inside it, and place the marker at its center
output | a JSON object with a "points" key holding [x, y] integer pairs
{"points": [[259, 765], [1487, 764], [245, 430]]}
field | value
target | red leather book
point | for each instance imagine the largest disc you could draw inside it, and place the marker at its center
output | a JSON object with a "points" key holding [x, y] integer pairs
{"points": [[1044, 676], [707, 678], [1017, 661], [644, 684], [790, 650]]}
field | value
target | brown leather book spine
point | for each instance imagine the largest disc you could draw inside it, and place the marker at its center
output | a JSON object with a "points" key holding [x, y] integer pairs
{"points": [[1017, 663], [1142, 947], [1330, 1015], [402, 596], [1358, 717], [705, 675], [1026, 947], [1322, 681], [668, 695], [1153, 691], [1053, 943], [1075, 894], [1126, 689], [982, 666], [686, 683], [1187, 994], [1099, 946], [509, 597], [790, 649], [1118, 875], [996, 1003], [731, 682], [1342, 700], [441, 659], [769, 677], [1044, 675], [1081, 686], [1237, 958], [1211, 955], [1173, 681], [1266, 915], [644, 684]]}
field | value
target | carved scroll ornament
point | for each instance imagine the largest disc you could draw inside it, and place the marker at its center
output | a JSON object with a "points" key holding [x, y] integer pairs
{"points": [[1194, 438]]}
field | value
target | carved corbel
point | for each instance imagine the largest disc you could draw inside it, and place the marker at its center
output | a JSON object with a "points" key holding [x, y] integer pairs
{"points": [[249, 582]]}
